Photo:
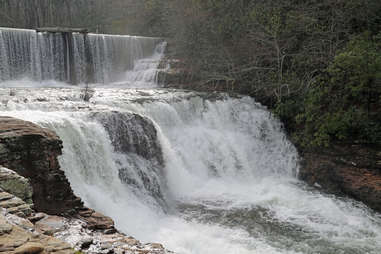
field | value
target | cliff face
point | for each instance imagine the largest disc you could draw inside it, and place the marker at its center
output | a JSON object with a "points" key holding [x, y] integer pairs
{"points": [[354, 171], [32, 152]]}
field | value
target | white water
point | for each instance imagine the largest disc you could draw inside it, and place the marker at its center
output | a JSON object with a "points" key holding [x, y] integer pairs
{"points": [[77, 58], [229, 178], [199, 175]]}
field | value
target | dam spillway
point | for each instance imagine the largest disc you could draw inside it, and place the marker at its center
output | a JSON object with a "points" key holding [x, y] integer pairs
{"points": [[74, 57]]}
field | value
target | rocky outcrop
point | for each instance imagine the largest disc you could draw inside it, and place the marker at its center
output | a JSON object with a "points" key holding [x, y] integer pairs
{"points": [[32, 152], [18, 236], [354, 171], [89, 241], [15, 184], [15, 205], [135, 135], [132, 133]]}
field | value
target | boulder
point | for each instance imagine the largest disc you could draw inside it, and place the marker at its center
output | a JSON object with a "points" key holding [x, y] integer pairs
{"points": [[50, 225], [15, 184]]}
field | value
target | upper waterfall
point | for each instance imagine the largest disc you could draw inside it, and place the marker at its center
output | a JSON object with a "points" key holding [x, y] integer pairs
{"points": [[76, 58]]}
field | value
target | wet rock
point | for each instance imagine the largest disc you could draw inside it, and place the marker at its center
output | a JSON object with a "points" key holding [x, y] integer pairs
{"points": [[99, 221], [85, 243], [50, 225], [110, 231], [20, 222], [36, 217], [132, 133], [132, 241], [77, 234], [346, 170], [156, 246]]}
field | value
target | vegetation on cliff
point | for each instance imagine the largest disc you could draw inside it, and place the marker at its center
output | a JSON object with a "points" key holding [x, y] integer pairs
{"points": [[317, 64]]}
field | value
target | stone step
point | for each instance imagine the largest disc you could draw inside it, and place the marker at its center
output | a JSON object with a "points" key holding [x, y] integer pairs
{"points": [[13, 202], [23, 210], [5, 196]]}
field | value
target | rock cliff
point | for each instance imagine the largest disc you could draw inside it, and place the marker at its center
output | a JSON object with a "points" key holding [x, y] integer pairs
{"points": [[353, 171], [32, 152]]}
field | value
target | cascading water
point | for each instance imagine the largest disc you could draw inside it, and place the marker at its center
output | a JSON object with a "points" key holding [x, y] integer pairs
{"points": [[76, 58], [198, 173]]}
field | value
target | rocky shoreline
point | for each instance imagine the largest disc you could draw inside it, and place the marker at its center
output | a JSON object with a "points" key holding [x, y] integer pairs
{"points": [[39, 211], [346, 170]]}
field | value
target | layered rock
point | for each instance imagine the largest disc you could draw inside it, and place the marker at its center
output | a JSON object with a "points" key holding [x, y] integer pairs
{"points": [[354, 171], [14, 205], [15, 184], [32, 152], [18, 236]]}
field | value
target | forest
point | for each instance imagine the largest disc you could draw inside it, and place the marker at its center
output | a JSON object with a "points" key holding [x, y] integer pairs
{"points": [[316, 64]]}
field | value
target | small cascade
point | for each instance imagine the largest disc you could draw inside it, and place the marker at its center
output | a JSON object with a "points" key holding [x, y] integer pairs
{"points": [[76, 58]]}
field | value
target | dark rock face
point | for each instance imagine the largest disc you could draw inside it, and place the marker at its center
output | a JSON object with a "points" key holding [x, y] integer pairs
{"points": [[136, 136], [132, 133], [32, 152], [354, 171]]}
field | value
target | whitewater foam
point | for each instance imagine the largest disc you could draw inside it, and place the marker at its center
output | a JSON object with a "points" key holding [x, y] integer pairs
{"points": [[230, 174]]}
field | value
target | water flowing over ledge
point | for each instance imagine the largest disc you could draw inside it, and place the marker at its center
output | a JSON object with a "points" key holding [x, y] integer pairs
{"points": [[77, 58], [200, 173]]}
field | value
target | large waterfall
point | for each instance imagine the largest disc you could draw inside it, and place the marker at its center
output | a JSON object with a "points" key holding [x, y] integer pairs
{"points": [[76, 58], [200, 173]]}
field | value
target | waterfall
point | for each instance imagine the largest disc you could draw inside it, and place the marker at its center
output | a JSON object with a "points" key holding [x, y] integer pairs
{"points": [[76, 58], [200, 173]]}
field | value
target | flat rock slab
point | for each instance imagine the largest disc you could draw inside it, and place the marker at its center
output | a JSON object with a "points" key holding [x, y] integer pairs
{"points": [[50, 225]]}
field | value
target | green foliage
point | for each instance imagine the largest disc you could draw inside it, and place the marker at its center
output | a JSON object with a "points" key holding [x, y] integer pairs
{"points": [[344, 103]]}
